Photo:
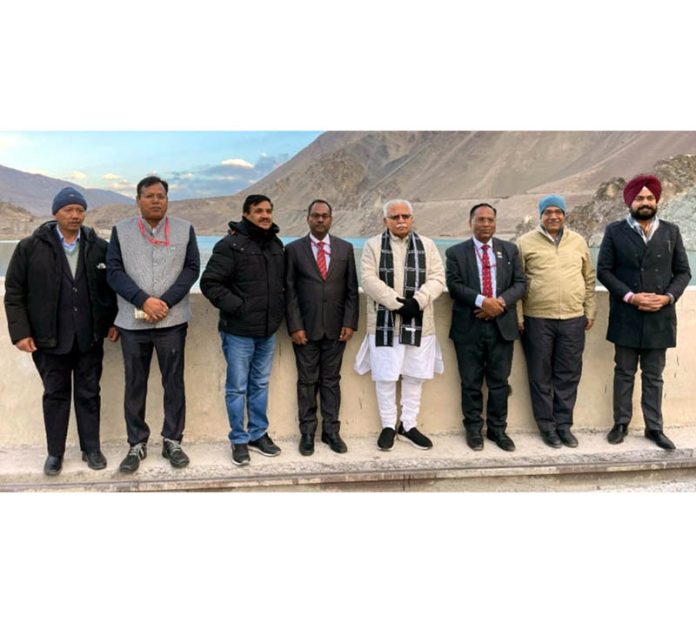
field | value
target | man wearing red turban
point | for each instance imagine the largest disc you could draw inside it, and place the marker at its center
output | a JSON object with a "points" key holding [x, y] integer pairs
{"points": [[643, 264]]}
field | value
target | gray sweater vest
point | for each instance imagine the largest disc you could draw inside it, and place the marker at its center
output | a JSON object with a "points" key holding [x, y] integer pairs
{"points": [[154, 268]]}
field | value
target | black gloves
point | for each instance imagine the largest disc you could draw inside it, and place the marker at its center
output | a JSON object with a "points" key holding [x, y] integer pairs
{"points": [[409, 310]]}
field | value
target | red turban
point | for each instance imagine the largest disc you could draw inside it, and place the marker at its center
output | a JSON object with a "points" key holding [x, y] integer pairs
{"points": [[636, 185]]}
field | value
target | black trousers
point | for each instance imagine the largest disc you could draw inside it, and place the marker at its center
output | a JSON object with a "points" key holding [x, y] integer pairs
{"points": [[73, 373], [137, 347], [652, 363], [319, 371], [553, 349], [489, 356]]}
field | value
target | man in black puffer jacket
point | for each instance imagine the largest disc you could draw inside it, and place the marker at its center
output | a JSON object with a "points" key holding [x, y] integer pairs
{"points": [[244, 280], [59, 308]]}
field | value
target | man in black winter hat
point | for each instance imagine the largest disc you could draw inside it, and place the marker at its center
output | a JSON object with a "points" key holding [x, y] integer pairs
{"points": [[60, 308]]}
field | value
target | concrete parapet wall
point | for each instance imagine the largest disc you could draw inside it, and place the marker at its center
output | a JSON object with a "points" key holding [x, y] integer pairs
{"points": [[21, 420]]}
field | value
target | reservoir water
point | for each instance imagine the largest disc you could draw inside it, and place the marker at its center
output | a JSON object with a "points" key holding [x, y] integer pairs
{"points": [[206, 244]]}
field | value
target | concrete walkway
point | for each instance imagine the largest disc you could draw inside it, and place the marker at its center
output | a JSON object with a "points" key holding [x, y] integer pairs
{"points": [[449, 466]]}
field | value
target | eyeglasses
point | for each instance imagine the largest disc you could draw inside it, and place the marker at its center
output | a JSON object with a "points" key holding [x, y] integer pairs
{"points": [[399, 217]]}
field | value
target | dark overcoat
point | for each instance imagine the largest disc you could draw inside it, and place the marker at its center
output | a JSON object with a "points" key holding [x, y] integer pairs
{"points": [[626, 264]]}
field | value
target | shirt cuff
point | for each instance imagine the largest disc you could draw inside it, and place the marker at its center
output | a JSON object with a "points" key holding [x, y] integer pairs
{"points": [[671, 298], [627, 298], [479, 300]]}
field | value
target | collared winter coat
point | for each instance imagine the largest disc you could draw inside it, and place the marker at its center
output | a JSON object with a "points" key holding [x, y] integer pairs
{"points": [[33, 280], [626, 264]]}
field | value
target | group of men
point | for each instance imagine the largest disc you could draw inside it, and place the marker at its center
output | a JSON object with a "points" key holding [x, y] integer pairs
{"points": [[543, 289], [67, 289]]}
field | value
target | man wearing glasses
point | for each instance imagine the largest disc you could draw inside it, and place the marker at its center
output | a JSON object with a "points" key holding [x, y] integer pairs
{"points": [[152, 262], [402, 275], [485, 279], [321, 290]]}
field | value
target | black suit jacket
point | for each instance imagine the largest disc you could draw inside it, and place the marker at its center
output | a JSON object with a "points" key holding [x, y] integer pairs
{"points": [[626, 264], [464, 285], [317, 306]]}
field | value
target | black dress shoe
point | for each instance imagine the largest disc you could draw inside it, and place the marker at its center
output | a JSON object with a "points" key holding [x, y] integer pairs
{"points": [[53, 465], [567, 438], [95, 460], [617, 433], [307, 445], [660, 439], [501, 440], [551, 438], [335, 442], [474, 439]]}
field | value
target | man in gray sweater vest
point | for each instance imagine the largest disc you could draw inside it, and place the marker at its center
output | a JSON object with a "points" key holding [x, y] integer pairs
{"points": [[152, 262]]}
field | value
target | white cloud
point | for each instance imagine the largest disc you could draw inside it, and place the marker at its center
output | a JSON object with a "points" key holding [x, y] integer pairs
{"points": [[122, 185], [10, 141], [77, 176], [36, 171], [111, 176], [237, 162]]}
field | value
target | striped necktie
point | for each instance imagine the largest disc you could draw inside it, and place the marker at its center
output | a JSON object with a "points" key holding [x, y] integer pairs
{"points": [[321, 259]]}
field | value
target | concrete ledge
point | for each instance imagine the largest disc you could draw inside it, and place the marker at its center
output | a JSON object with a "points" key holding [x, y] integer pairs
{"points": [[21, 422], [449, 466]]}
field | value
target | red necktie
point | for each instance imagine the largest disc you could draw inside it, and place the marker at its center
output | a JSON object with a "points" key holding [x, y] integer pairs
{"points": [[321, 259], [486, 272]]}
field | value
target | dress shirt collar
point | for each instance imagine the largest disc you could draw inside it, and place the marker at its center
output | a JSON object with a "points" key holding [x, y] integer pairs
{"points": [[479, 244], [635, 225], [326, 241], [67, 245]]}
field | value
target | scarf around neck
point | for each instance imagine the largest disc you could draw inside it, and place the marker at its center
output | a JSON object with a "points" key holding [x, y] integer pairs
{"points": [[414, 277]]}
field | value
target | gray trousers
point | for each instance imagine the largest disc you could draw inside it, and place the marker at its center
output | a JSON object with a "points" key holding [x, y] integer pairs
{"points": [[652, 363], [553, 349]]}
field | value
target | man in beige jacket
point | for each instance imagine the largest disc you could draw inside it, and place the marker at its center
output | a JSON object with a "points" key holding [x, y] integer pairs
{"points": [[558, 308], [402, 275]]}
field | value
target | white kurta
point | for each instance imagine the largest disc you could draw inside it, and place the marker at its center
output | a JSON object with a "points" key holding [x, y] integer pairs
{"points": [[388, 363]]}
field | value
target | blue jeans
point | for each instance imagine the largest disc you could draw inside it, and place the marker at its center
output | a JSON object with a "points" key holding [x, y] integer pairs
{"points": [[249, 361]]}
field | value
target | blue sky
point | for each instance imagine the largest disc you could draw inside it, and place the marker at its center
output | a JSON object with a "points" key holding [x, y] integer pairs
{"points": [[196, 164]]}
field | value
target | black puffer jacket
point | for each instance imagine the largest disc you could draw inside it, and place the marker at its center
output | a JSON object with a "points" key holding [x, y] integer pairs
{"points": [[244, 280], [32, 286]]}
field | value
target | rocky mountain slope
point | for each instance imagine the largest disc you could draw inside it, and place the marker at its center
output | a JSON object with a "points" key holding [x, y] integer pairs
{"points": [[15, 222], [677, 203], [442, 173], [35, 192]]}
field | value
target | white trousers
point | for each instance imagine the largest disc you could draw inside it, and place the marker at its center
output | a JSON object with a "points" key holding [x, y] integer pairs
{"points": [[411, 389]]}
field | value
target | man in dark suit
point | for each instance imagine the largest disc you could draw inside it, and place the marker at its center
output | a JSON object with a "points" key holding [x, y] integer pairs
{"points": [[322, 313], [643, 264], [60, 308], [485, 279]]}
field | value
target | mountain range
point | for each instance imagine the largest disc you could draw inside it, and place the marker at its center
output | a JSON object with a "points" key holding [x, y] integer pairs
{"points": [[35, 192], [442, 173]]}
